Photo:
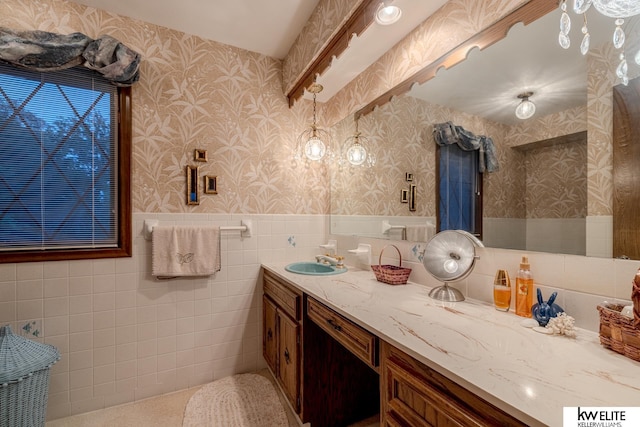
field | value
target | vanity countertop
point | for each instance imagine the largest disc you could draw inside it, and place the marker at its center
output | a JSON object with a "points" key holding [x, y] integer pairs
{"points": [[528, 374]]}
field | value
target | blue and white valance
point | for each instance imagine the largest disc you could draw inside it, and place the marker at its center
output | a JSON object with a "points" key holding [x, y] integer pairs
{"points": [[447, 133], [44, 51]]}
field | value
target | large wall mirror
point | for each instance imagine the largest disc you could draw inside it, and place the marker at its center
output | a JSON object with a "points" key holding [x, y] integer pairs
{"points": [[552, 192]]}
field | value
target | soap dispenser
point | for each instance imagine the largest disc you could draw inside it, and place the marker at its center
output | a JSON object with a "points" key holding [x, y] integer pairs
{"points": [[524, 289]]}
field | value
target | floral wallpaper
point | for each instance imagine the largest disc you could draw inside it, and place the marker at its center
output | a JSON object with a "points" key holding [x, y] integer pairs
{"points": [[399, 137], [453, 23], [556, 177], [601, 79], [325, 21], [553, 125], [556, 181], [537, 183], [195, 93]]}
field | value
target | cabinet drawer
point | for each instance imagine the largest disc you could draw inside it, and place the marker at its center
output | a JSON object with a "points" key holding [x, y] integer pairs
{"points": [[285, 297], [356, 339], [414, 394], [420, 404]]}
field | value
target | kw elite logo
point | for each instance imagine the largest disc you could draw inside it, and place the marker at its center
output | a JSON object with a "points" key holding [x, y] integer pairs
{"points": [[601, 417]]}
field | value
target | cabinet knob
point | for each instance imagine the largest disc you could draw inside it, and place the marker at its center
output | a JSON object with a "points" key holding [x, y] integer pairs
{"points": [[287, 359], [269, 334], [334, 325]]}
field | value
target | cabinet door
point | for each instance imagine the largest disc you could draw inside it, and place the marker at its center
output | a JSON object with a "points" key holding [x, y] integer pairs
{"points": [[288, 358], [269, 334]]}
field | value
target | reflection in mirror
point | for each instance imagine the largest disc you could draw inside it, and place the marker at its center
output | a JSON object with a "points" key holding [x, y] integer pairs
{"points": [[552, 192]]}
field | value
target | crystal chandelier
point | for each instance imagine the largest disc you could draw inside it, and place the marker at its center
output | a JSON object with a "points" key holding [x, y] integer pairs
{"points": [[618, 9], [314, 143], [357, 153]]}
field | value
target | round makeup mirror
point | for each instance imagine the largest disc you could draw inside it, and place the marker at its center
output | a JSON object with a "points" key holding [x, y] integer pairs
{"points": [[450, 256]]}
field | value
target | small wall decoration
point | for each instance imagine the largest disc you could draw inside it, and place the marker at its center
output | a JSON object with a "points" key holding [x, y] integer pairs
{"points": [[404, 196], [412, 197], [192, 185], [408, 176], [200, 155], [210, 184]]}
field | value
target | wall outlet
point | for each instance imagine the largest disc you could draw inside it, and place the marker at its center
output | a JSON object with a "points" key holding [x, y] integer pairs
{"points": [[31, 328]]}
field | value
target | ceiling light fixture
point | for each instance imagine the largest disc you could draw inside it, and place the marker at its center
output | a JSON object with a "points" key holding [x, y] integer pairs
{"points": [[357, 153], [618, 9], [526, 108], [313, 142], [387, 13]]}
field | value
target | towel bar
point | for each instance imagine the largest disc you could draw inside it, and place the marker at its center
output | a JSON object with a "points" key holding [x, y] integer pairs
{"points": [[244, 227], [386, 226]]}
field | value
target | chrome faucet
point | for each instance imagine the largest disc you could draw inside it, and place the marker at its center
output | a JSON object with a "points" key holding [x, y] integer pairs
{"points": [[333, 260]]}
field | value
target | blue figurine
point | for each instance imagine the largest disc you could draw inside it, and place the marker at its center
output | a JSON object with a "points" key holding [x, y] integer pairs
{"points": [[543, 311]]}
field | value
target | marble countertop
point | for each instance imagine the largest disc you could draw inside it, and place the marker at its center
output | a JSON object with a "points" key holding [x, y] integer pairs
{"points": [[528, 374]]}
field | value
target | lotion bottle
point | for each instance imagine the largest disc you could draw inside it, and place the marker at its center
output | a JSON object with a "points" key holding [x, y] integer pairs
{"points": [[524, 289]]}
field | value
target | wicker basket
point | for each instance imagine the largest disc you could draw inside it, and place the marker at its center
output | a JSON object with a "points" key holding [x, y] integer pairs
{"points": [[618, 332], [24, 379], [391, 274]]}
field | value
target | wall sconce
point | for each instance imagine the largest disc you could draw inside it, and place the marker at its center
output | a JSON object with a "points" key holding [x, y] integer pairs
{"points": [[314, 142], [387, 13], [526, 108]]}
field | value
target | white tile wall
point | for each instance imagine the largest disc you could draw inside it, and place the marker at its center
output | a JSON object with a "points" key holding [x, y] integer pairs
{"points": [[561, 235], [124, 336], [581, 282], [600, 236], [371, 225]]}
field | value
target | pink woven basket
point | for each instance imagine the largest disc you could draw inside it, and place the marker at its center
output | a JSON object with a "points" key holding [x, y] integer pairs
{"points": [[391, 274]]}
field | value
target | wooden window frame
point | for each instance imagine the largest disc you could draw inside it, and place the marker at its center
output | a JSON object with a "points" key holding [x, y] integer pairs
{"points": [[125, 244]]}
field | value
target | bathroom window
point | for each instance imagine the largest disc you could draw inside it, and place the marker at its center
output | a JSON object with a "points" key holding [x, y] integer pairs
{"points": [[459, 190], [65, 143]]}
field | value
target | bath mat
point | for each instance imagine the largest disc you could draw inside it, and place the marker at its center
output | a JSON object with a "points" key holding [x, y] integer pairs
{"points": [[244, 400]]}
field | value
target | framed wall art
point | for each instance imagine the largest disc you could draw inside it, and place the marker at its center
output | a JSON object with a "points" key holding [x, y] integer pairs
{"points": [[211, 184], [200, 155], [192, 185]]}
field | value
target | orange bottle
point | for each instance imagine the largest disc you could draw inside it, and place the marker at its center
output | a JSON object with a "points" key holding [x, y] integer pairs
{"points": [[524, 289], [502, 291]]}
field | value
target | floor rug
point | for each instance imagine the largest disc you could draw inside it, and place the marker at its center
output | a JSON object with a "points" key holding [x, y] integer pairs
{"points": [[244, 400]]}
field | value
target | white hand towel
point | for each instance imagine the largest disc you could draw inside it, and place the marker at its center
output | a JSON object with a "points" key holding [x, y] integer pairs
{"points": [[417, 233], [185, 251], [420, 233]]}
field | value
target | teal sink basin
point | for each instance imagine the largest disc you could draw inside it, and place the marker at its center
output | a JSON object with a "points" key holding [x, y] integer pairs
{"points": [[313, 268]]}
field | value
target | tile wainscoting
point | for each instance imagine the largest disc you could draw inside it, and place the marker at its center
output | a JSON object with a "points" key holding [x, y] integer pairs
{"points": [[124, 336]]}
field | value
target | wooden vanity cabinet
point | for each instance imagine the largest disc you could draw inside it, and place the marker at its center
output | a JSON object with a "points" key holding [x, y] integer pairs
{"points": [[281, 335], [415, 395], [341, 373]]}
